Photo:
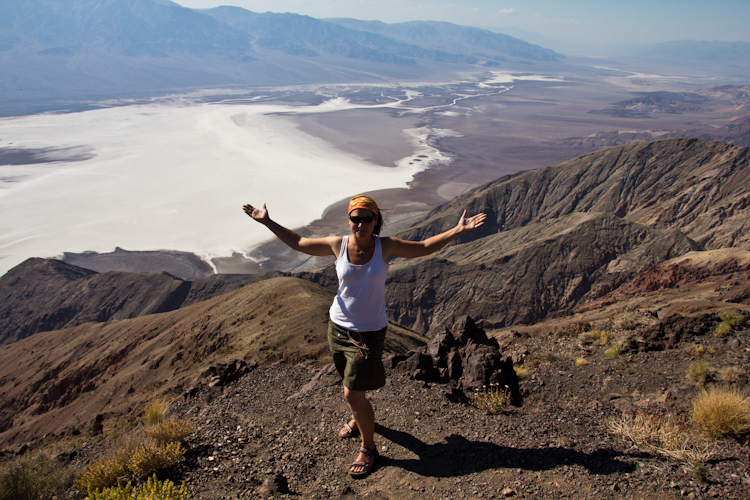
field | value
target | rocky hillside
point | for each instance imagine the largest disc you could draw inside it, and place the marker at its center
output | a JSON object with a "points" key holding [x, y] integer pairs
{"points": [[559, 237], [40, 295], [53, 381]]}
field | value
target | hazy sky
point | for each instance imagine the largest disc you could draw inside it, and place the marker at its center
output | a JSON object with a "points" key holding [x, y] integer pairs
{"points": [[569, 24]]}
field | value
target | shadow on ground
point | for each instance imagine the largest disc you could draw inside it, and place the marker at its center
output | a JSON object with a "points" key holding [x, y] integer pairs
{"points": [[458, 456]]}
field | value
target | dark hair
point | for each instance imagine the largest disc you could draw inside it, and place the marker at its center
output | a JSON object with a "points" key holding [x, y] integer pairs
{"points": [[378, 224]]}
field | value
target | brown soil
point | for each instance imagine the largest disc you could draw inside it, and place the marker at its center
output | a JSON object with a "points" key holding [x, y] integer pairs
{"points": [[273, 424]]}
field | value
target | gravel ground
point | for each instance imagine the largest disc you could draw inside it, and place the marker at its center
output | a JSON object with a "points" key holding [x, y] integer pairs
{"points": [[273, 433]]}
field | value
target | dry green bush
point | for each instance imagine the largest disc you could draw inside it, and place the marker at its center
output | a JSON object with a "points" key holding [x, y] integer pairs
{"points": [[492, 400], [111, 467], [722, 412], [170, 431], [698, 373], [730, 374], [581, 362], [521, 371], [156, 412], [613, 352], [157, 447], [151, 457], [723, 329], [732, 318], [35, 476], [152, 490], [700, 350], [652, 434]]}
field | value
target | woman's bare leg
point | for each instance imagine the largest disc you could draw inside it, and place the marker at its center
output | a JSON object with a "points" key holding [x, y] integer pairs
{"points": [[364, 415]]}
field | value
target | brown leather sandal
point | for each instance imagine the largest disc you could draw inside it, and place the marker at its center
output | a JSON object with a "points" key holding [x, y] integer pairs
{"points": [[366, 465], [349, 431]]}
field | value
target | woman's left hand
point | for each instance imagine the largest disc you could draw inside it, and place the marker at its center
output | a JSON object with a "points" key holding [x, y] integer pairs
{"points": [[465, 225]]}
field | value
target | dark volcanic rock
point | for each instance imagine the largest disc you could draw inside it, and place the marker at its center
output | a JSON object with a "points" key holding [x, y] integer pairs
{"points": [[462, 354]]}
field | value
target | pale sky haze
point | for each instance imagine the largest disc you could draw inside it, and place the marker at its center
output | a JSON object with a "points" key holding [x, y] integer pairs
{"points": [[568, 24]]}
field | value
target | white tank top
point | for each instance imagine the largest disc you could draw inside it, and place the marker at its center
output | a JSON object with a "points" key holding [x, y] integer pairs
{"points": [[360, 301]]}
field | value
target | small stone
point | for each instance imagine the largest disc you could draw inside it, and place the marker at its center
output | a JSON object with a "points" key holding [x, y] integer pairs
{"points": [[508, 492]]}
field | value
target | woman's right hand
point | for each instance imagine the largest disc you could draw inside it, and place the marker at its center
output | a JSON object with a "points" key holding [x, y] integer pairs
{"points": [[261, 215]]}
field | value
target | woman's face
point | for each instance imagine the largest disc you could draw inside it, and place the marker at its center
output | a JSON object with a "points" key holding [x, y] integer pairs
{"points": [[357, 222]]}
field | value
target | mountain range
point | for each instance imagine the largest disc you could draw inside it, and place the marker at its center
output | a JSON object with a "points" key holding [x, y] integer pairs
{"points": [[657, 228], [91, 49]]}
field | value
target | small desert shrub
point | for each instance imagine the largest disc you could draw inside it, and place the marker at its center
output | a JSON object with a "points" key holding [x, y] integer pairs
{"points": [[699, 472], [730, 374], [698, 373], [600, 337], [152, 490], [654, 435], [723, 329], [170, 431], [613, 352], [492, 400], [521, 371], [136, 459], [581, 362], [151, 457], [156, 412], [722, 412], [158, 447], [106, 471], [700, 350], [731, 318], [629, 321], [34, 477]]}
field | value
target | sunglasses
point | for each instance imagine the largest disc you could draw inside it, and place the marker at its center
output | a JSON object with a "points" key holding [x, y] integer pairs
{"points": [[366, 219]]}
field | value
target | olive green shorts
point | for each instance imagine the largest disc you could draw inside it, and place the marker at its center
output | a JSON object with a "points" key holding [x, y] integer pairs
{"points": [[360, 369]]}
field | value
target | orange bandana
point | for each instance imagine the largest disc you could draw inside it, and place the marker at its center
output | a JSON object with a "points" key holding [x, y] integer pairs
{"points": [[365, 202]]}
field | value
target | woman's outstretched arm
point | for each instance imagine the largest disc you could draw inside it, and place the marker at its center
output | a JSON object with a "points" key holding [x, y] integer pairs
{"points": [[395, 247], [319, 247]]}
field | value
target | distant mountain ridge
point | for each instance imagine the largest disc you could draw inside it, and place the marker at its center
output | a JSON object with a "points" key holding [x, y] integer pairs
{"points": [[93, 48]]}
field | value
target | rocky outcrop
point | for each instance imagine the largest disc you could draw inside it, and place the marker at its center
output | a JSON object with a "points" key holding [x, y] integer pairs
{"points": [[462, 354]]}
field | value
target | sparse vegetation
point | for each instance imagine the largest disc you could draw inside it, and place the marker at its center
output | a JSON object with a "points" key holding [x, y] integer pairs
{"points": [[729, 321], [157, 447], [629, 321], [732, 318], [34, 477], [170, 431], [723, 330], [613, 352], [156, 412], [730, 374], [700, 351], [492, 400], [601, 337], [152, 490], [722, 412], [152, 457], [521, 371], [698, 373], [581, 362], [652, 434]]}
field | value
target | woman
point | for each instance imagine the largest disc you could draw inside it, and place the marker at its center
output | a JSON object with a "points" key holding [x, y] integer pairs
{"points": [[358, 319]]}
